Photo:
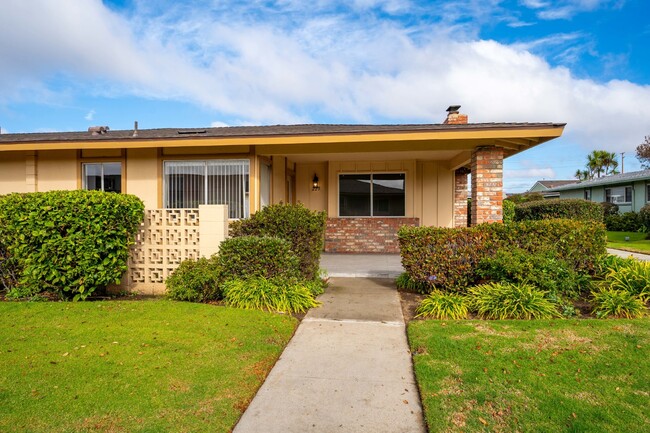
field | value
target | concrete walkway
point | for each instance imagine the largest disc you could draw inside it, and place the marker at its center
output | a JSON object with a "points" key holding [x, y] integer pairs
{"points": [[626, 254], [347, 369], [362, 265]]}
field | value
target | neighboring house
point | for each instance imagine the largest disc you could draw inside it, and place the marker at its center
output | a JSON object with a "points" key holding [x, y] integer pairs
{"points": [[370, 179], [630, 191], [544, 186]]}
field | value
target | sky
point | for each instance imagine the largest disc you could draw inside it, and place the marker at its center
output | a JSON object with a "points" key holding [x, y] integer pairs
{"points": [[68, 64]]}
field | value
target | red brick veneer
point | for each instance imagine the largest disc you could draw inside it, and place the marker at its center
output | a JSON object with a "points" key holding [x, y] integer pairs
{"points": [[364, 235]]}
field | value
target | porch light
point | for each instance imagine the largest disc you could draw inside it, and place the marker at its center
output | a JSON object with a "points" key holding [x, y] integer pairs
{"points": [[315, 184]]}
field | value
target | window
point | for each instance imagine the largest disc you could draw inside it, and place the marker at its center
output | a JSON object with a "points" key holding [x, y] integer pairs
{"points": [[377, 194], [187, 184], [647, 193], [103, 176], [619, 194], [588, 194]]}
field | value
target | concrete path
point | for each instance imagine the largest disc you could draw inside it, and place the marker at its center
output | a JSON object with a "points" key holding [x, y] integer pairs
{"points": [[347, 369], [626, 254], [362, 265]]}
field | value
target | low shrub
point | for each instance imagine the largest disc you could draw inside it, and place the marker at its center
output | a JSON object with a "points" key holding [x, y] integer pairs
{"points": [[442, 257], [644, 216], [617, 304], [508, 211], [9, 270], [510, 301], [609, 208], [303, 228], [272, 294], [526, 197], [543, 270], [253, 256], [626, 222], [405, 282], [195, 281], [632, 276], [438, 305], [575, 209], [72, 243], [610, 262]]}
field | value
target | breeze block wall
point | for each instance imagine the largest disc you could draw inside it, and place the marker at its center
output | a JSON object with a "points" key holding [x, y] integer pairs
{"points": [[364, 235]]}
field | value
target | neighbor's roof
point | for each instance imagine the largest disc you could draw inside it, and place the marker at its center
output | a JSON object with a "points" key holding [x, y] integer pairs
{"points": [[614, 179], [259, 131], [556, 183]]}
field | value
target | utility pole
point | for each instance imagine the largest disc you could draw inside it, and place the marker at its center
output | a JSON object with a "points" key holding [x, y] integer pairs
{"points": [[622, 162]]}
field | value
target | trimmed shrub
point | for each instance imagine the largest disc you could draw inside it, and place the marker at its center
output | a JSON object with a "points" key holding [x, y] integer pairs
{"points": [[526, 197], [609, 209], [9, 270], [508, 211], [440, 305], [304, 229], [272, 294], [500, 301], [626, 222], [253, 256], [544, 270], [644, 216], [575, 209], [69, 242], [633, 276], [405, 282], [195, 281], [617, 304], [443, 257]]}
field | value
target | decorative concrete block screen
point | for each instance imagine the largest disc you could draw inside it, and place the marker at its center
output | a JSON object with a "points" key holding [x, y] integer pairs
{"points": [[169, 236], [364, 235]]}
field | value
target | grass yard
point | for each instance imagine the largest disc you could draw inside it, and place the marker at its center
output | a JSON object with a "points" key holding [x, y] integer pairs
{"points": [[637, 243], [534, 376], [132, 366]]}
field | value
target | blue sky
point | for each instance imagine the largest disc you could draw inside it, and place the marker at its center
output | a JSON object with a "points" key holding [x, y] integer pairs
{"points": [[69, 64]]}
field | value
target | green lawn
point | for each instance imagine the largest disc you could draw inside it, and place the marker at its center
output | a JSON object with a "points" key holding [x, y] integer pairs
{"points": [[132, 366], [534, 376], [637, 243]]}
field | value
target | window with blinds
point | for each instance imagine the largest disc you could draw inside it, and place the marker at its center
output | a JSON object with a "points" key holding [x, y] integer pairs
{"points": [[103, 176], [187, 184]]}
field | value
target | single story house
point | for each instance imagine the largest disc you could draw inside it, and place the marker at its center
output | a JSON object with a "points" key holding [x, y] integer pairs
{"points": [[630, 191], [543, 186], [370, 179]]}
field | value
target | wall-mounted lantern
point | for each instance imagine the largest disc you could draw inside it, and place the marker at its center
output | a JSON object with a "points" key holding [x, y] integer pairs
{"points": [[315, 184]]}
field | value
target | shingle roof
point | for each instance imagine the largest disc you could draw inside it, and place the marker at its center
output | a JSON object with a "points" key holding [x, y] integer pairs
{"points": [[253, 131], [556, 183], [631, 176]]}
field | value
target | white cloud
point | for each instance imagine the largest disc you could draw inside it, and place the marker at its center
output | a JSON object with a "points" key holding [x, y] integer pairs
{"points": [[90, 115]]}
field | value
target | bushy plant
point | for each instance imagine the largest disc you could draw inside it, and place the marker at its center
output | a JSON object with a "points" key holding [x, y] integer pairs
{"points": [[405, 282], [253, 256], [609, 208], [644, 216], [626, 222], [510, 301], [272, 294], [303, 228], [610, 262], [196, 280], [575, 209], [439, 305], [69, 242], [632, 276], [508, 211], [543, 270], [442, 257], [526, 197], [9, 270], [617, 304]]}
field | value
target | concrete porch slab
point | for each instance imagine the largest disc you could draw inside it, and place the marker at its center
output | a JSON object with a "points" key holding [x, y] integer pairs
{"points": [[362, 265]]}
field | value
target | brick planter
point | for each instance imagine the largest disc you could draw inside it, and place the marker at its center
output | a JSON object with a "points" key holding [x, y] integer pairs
{"points": [[364, 235]]}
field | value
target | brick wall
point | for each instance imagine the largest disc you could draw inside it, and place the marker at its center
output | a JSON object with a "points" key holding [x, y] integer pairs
{"points": [[364, 235], [460, 197], [487, 185]]}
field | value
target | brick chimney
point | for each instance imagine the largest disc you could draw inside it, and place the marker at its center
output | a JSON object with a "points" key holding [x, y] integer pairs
{"points": [[454, 117]]}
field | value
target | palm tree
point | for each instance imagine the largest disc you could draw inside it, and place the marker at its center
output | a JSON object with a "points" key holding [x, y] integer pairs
{"points": [[581, 175]]}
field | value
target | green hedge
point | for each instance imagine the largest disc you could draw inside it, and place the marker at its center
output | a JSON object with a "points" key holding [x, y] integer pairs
{"points": [[196, 280], [575, 209], [625, 222], [303, 228], [508, 211], [254, 256], [644, 216], [449, 257], [70, 242]]}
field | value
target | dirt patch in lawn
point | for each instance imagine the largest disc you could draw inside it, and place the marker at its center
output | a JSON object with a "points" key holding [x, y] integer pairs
{"points": [[410, 302]]}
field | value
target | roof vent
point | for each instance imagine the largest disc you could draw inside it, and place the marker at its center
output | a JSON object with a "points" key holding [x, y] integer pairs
{"points": [[98, 130], [135, 128], [192, 131]]}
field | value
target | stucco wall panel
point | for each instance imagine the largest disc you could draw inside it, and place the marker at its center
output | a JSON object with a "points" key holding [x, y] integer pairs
{"points": [[57, 170], [14, 169], [142, 174]]}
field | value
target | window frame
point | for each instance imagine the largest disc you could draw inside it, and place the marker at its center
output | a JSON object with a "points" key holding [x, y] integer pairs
{"points": [[371, 174], [246, 187], [102, 162], [587, 194], [625, 189]]}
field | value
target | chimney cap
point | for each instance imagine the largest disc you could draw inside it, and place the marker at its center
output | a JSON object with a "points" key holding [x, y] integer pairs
{"points": [[453, 109]]}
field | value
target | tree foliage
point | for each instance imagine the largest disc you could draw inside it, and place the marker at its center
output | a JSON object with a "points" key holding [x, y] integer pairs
{"points": [[643, 152], [599, 163]]}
